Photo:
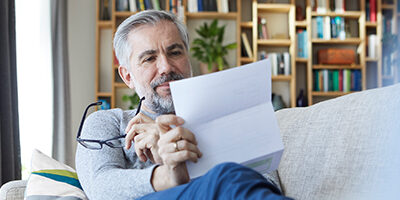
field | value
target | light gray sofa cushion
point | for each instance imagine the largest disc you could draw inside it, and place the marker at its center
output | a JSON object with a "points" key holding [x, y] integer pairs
{"points": [[13, 190], [345, 148]]}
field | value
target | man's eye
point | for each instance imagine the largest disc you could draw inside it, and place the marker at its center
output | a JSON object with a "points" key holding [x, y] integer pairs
{"points": [[149, 59], [176, 53]]}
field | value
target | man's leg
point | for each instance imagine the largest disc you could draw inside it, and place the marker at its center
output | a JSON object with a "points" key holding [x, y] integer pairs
{"points": [[225, 181]]}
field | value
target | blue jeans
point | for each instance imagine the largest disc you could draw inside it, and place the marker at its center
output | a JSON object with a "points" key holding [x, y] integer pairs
{"points": [[225, 181]]}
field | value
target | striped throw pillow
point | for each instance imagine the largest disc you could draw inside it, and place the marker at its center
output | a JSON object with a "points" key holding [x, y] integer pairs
{"points": [[51, 180]]}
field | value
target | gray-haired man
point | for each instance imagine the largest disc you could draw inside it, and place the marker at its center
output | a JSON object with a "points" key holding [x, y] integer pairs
{"points": [[153, 50]]}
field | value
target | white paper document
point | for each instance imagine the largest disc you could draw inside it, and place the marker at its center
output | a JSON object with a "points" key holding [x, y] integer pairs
{"points": [[231, 114]]}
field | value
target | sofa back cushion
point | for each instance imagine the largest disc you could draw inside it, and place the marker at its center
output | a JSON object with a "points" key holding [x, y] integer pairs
{"points": [[344, 148]]}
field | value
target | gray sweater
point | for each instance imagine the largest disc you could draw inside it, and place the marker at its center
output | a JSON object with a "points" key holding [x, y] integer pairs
{"points": [[111, 173]]}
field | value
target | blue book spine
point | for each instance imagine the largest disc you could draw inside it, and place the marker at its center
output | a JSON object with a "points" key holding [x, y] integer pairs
{"points": [[299, 44], [199, 5], [320, 27], [367, 11], [305, 41], [333, 28]]}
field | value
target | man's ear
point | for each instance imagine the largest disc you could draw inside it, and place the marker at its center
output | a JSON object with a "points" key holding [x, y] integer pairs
{"points": [[126, 76]]}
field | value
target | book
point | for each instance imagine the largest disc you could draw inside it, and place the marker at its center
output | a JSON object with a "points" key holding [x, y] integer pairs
{"points": [[274, 63], [320, 27], [321, 6], [316, 81], [372, 8], [132, 6], [141, 5], [147, 5], [219, 5], [372, 45], [314, 28], [156, 4], [232, 6], [199, 5], [192, 6], [225, 6], [339, 6], [326, 80], [247, 46], [341, 80], [367, 11], [327, 28], [122, 5], [287, 64], [281, 64], [334, 33], [335, 80]]}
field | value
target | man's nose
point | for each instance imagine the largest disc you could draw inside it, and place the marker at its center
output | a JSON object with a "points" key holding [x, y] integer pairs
{"points": [[164, 66]]}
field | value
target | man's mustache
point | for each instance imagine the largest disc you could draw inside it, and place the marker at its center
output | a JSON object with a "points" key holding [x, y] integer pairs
{"points": [[166, 78]]}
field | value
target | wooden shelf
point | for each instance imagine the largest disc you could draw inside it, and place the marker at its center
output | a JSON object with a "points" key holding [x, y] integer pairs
{"points": [[370, 24], [274, 42], [337, 41], [211, 15], [302, 24], [274, 7], [120, 85], [303, 60], [336, 67], [246, 24], [388, 6], [347, 14], [104, 24], [103, 94], [246, 59], [329, 94], [124, 13], [371, 59], [281, 78]]}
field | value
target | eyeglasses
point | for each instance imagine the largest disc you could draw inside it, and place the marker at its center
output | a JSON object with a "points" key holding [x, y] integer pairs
{"points": [[116, 142]]}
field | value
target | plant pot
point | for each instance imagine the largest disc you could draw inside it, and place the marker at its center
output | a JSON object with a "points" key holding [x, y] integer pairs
{"points": [[204, 68]]}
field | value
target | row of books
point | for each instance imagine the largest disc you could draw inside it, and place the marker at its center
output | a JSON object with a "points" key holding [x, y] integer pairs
{"points": [[176, 7], [344, 80], [301, 37], [262, 28], [321, 6], [280, 62], [137, 5], [223, 6], [370, 10], [327, 27]]}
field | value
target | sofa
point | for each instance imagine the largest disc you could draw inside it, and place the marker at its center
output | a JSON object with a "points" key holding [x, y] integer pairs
{"points": [[343, 148]]}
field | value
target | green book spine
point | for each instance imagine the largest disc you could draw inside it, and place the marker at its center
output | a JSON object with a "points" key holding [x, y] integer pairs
{"points": [[335, 80], [156, 5], [316, 81], [348, 79], [330, 79]]}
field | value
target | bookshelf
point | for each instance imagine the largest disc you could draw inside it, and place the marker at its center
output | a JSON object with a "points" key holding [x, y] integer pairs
{"points": [[245, 19]]}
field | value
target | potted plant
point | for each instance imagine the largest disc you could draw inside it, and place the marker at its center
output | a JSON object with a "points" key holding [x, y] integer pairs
{"points": [[133, 99], [208, 49]]}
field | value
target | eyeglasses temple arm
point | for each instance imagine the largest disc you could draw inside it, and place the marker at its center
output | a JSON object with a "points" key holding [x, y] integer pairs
{"points": [[84, 116]]}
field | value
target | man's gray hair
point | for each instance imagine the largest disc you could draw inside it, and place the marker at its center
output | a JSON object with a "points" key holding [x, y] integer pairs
{"points": [[121, 45]]}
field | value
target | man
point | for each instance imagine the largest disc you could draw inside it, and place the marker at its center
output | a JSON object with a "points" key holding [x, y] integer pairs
{"points": [[153, 50]]}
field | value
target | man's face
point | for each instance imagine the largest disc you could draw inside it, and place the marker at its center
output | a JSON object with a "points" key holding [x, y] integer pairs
{"points": [[158, 57]]}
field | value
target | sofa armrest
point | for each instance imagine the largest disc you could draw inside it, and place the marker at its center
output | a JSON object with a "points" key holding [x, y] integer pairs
{"points": [[13, 190]]}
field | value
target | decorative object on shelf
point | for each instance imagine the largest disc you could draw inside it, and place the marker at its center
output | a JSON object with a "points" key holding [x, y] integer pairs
{"points": [[336, 56], [208, 48], [133, 99], [104, 10], [277, 102], [299, 13], [301, 100], [105, 105]]}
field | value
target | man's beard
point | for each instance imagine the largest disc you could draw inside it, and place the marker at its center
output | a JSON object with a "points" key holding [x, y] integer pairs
{"points": [[158, 104]]}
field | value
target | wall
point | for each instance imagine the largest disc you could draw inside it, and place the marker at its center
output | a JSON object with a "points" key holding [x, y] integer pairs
{"points": [[81, 43]]}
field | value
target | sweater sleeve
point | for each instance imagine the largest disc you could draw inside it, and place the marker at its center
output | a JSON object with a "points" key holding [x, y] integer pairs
{"points": [[104, 173]]}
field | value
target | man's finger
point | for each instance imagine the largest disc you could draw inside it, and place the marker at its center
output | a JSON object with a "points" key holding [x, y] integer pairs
{"points": [[135, 130], [178, 133], [165, 121], [139, 118]]}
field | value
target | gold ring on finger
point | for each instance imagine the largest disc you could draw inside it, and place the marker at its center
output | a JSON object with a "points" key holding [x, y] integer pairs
{"points": [[176, 146]]}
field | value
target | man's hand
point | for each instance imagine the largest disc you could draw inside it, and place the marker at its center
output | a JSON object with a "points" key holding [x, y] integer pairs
{"points": [[176, 145], [144, 131]]}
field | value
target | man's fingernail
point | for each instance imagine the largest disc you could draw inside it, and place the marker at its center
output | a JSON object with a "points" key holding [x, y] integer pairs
{"points": [[180, 120]]}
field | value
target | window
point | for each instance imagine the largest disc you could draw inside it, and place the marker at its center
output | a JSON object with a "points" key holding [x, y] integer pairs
{"points": [[35, 91]]}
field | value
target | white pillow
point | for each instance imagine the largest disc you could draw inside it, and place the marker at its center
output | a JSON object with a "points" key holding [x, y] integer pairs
{"points": [[51, 179]]}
